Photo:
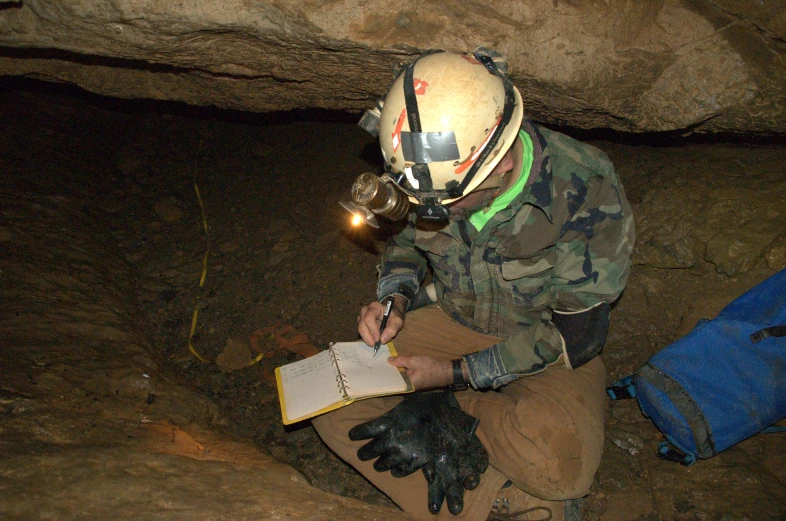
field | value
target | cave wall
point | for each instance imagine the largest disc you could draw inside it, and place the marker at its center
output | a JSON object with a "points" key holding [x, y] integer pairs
{"points": [[649, 65], [94, 423]]}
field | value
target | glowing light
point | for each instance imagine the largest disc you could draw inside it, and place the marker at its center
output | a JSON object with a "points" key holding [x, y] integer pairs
{"points": [[356, 220]]}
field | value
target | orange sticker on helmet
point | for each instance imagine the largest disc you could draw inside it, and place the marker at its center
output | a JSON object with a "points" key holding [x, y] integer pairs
{"points": [[466, 164], [470, 59], [397, 132], [420, 86]]}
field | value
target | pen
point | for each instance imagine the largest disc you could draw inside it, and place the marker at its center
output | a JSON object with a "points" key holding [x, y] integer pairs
{"points": [[383, 325]]}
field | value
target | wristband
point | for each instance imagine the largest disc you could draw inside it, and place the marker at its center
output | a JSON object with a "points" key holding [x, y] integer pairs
{"points": [[459, 383]]}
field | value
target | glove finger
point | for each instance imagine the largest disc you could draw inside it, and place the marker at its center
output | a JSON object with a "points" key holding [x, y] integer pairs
{"points": [[454, 493], [429, 471], [387, 461], [481, 461], [471, 481], [373, 449], [370, 429], [436, 495], [406, 468]]}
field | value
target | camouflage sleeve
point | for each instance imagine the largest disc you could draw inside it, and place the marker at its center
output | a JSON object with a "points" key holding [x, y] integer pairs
{"points": [[403, 267], [528, 351], [592, 266], [594, 249]]}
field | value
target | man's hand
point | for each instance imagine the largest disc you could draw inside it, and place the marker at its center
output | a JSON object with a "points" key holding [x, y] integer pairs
{"points": [[370, 319], [425, 372]]}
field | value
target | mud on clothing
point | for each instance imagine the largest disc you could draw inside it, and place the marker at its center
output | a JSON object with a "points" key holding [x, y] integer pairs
{"points": [[543, 432], [564, 243]]}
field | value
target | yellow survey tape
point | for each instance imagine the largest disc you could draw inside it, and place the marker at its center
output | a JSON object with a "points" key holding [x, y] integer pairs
{"points": [[201, 279], [202, 283]]}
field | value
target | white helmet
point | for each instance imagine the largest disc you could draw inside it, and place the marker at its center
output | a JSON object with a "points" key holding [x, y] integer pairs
{"points": [[446, 122]]}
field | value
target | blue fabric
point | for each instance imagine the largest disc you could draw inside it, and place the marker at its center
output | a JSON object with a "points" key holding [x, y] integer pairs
{"points": [[731, 387]]}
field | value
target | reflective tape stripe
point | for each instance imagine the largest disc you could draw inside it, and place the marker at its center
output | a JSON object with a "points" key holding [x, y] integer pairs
{"points": [[429, 147]]}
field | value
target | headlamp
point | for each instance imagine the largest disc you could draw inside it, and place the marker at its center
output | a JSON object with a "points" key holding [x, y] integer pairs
{"points": [[376, 195], [369, 121]]}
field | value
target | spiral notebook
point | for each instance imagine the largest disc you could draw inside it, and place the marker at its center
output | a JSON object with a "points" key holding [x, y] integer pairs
{"points": [[346, 372]]}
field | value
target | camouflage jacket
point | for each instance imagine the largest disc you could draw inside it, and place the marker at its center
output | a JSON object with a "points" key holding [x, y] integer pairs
{"points": [[563, 244]]}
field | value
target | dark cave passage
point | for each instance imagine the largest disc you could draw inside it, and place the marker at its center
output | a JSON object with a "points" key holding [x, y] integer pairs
{"points": [[102, 242]]}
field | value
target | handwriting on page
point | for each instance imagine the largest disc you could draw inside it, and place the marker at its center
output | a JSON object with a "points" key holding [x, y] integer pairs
{"points": [[307, 365], [356, 359], [310, 385], [367, 374]]}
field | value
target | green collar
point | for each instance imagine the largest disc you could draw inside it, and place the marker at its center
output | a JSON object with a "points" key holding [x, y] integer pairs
{"points": [[481, 217]]}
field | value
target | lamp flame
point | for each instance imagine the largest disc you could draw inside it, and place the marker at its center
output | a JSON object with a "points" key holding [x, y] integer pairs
{"points": [[360, 214]]}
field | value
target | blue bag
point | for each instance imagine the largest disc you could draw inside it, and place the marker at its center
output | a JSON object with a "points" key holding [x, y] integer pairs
{"points": [[721, 383]]}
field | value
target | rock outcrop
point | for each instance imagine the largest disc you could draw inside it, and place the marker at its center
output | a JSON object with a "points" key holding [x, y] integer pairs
{"points": [[650, 65]]}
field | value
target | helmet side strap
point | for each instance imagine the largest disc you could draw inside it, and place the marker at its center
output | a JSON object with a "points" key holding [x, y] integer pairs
{"points": [[420, 171]]}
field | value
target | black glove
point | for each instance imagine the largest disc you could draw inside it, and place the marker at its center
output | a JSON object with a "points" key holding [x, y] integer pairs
{"points": [[427, 428], [414, 432], [453, 471]]}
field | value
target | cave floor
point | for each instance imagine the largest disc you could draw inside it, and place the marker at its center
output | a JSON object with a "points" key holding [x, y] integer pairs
{"points": [[278, 251]]}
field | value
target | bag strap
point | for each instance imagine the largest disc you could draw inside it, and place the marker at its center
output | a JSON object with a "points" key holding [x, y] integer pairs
{"points": [[775, 331]]}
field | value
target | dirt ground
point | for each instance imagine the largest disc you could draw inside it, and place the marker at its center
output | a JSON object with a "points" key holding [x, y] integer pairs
{"points": [[236, 217]]}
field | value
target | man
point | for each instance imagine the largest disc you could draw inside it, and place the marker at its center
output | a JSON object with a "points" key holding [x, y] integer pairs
{"points": [[536, 246]]}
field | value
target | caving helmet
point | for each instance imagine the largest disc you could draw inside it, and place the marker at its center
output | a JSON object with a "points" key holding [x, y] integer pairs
{"points": [[445, 123]]}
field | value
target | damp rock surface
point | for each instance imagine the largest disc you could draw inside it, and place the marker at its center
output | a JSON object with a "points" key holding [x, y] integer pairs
{"points": [[113, 396]]}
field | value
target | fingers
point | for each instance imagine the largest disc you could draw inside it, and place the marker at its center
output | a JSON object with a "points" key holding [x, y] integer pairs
{"points": [[426, 372], [405, 469], [429, 471], [471, 481], [454, 494], [395, 323], [371, 318], [451, 487], [482, 462], [408, 467], [387, 461], [436, 495], [371, 450], [370, 429], [368, 325], [402, 361]]}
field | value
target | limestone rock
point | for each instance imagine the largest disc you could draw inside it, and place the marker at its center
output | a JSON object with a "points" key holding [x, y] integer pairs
{"points": [[731, 228], [650, 65]]}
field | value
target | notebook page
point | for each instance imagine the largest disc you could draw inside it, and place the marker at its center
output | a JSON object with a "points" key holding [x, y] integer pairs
{"points": [[309, 385], [365, 373]]}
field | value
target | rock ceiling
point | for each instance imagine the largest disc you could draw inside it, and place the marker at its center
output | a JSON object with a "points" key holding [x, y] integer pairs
{"points": [[648, 65]]}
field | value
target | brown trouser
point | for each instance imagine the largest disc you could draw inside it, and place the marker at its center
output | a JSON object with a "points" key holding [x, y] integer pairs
{"points": [[543, 432]]}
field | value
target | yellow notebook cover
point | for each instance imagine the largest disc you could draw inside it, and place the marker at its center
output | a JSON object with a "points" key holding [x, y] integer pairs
{"points": [[345, 401]]}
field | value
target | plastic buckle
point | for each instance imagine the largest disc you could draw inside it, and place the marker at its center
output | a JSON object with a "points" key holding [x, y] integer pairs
{"points": [[668, 452], [622, 389]]}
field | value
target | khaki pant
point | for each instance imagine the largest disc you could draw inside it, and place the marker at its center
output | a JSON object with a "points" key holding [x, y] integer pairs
{"points": [[543, 432]]}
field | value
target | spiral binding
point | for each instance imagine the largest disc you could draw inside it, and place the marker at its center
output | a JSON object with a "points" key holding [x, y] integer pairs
{"points": [[341, 378]]}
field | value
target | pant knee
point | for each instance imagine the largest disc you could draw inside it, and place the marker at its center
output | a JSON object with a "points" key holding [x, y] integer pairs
{"points": [[563, 467]]}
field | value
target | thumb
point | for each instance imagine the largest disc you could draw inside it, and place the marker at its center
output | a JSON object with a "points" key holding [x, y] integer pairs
{"points": [[399, 361]]}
